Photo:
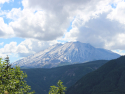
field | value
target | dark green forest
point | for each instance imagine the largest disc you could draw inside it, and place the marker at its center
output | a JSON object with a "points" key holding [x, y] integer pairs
{"points": [[41, 79], [95, 77], [108, 79]]}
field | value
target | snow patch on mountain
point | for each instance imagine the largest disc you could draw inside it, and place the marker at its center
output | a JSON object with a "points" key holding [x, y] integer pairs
{"points": [[68, 52]]}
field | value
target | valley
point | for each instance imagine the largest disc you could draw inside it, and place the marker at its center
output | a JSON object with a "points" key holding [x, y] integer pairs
{"points": [[40, 79]]}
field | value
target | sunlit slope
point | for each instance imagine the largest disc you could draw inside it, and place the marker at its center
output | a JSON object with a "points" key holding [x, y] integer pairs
{"points": [[70, 52]]}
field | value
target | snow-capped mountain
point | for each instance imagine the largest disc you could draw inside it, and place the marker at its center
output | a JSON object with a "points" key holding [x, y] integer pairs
{"points": [[69, 52]]}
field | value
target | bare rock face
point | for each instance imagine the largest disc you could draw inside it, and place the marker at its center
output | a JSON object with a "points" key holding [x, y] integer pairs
{"points": [[70, 52]]}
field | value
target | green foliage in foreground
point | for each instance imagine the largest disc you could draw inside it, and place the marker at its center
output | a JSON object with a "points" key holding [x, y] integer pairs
{"points": [[12, 80], [58, 90]]}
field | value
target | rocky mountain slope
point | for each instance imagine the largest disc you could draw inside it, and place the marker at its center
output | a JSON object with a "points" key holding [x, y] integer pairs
{"points": [[70, 52]]}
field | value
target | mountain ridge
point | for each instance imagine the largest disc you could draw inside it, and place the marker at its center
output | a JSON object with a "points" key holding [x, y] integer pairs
{"points": [[69, 52]]}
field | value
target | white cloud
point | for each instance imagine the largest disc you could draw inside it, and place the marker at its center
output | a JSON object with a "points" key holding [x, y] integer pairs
{"points": [[39, 25], [95, 22], [100, 32], [118, 13], [5, 30], [25, 48], [14, 14], [1, 43], [3, 1], [49, 20], [33, 45], [9, 48]]}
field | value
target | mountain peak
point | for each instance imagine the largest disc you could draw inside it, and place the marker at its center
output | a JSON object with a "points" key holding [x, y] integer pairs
{"points": [[70, 52]]}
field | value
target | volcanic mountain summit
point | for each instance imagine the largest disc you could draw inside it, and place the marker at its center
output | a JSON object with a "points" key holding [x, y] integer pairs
{"points": [[70, 52]]}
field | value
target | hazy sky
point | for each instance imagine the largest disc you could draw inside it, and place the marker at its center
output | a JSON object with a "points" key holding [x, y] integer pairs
{"points": [[30, 26]]}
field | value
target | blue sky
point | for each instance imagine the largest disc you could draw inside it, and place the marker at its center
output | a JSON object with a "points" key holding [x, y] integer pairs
{"points": [[12, 4], [26, 30], [8, 7]]}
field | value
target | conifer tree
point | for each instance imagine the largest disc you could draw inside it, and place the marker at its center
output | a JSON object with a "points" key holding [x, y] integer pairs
{"points": [[12, 80]]}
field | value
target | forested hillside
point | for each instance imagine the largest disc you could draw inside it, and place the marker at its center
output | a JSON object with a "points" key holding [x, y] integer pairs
{"points": [[41, 79], [108, 79]]}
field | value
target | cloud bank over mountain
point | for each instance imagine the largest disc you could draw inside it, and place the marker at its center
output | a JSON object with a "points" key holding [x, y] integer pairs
{"points": [[46, 22]]}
